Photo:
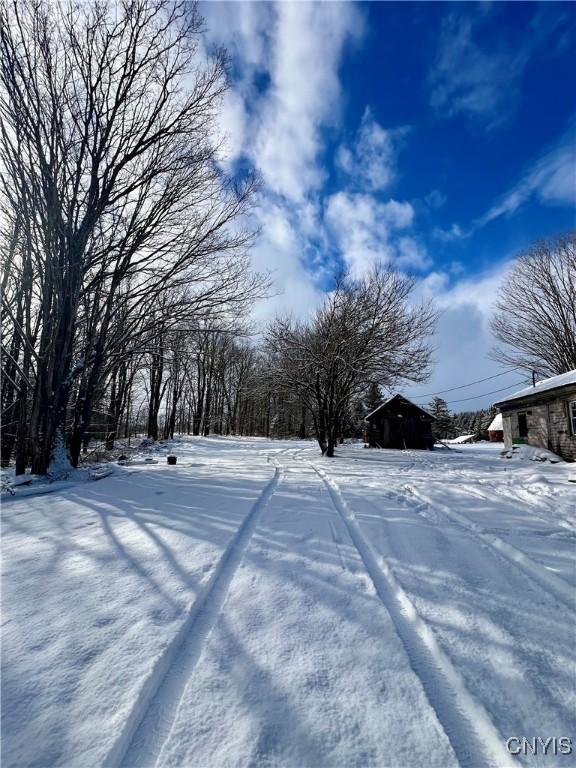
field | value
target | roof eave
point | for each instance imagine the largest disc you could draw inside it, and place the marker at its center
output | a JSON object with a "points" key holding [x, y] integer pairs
{"points": [[367, 417], [545, 394]]}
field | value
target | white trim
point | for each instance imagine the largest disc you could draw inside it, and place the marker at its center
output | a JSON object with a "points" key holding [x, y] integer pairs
{"points": [[572, 416]]}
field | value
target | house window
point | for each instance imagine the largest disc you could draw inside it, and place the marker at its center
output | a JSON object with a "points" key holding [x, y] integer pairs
{"points": [[522, 425], [572, 415]]}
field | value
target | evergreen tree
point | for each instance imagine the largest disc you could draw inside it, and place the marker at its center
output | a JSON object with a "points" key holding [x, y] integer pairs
{"points": [[442, 427], [485, 418], [354, 424], [478, 425], [373, 397]]}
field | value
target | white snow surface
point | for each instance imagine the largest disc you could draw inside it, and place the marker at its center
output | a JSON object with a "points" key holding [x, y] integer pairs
{"points": [[460, 440], [259, 605], [543, 385]]}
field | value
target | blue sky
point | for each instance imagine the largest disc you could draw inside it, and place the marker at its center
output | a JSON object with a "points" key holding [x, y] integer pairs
{"points": [[436, 137]]}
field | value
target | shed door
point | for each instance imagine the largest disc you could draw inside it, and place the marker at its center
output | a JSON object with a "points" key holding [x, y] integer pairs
{"points": [[522, 425]]}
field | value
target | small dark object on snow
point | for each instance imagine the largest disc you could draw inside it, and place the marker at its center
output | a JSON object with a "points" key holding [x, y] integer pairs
{"points": [[171, 459], [123, 458]]}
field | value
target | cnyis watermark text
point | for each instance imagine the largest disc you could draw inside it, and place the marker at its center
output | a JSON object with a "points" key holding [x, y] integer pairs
{"points": [[539, 745]]}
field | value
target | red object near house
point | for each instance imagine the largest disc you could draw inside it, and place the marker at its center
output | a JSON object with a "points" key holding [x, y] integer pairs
{"points": [[496, 430]]}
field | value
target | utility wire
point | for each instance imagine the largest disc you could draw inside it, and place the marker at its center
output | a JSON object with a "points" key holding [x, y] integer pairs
{"points": [[482, 394], [463, 386]]}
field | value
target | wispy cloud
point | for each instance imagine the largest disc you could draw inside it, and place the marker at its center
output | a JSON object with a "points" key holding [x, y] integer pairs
{"points": [[551, 180], [477, 292], [467, 79], [370, 160], [435, 199], [478, 73], [450, 235]]}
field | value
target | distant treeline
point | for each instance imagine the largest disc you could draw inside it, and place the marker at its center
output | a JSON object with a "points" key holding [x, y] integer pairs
{"points": [[449, 425]]}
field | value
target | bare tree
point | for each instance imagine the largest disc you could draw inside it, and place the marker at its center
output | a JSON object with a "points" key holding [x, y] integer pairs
{"points": [[535, 317], [112, 195], [365, 331]]}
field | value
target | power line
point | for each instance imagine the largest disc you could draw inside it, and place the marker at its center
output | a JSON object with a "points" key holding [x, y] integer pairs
{"points": [[463, 386], [482, 394]]}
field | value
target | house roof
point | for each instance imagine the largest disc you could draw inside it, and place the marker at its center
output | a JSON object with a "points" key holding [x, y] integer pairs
{"points": [[554, 382], [398, 395], [496, 424]]}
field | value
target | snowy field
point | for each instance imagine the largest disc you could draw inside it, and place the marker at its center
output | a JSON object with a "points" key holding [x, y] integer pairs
{"points": [[257, 605]]}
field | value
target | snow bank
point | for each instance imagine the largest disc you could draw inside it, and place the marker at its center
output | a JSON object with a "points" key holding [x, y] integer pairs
{"points": [[530, 453], [20, 486]]}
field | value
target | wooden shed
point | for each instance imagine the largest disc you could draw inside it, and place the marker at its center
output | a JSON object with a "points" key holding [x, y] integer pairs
{"points": [[399, 423]]}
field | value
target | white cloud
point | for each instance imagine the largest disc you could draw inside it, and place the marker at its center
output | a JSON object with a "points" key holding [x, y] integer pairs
{"points": [[551, 180], [304, 51], [279, 249], [412, 255], [366, 232], [370, 161], [476, 293], [463, 340], [285, 92], [232, 120], [242, 28], [450, 235]]}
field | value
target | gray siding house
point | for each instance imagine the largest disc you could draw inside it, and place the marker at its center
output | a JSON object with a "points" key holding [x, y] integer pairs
{"points": [[543, 415]]}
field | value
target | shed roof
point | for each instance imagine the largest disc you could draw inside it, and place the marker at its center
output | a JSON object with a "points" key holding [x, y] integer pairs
{"points": [[554, 382], [401, 397], [496, 424]]}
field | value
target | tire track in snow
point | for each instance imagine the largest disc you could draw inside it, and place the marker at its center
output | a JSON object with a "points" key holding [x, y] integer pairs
{"points": [[338, 542], [546, 580], [535, 688], [472, 734], [524, 498], [153, 715]]}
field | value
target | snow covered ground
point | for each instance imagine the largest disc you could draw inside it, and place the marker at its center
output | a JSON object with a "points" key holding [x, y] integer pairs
{"points": [[257, 605]]}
